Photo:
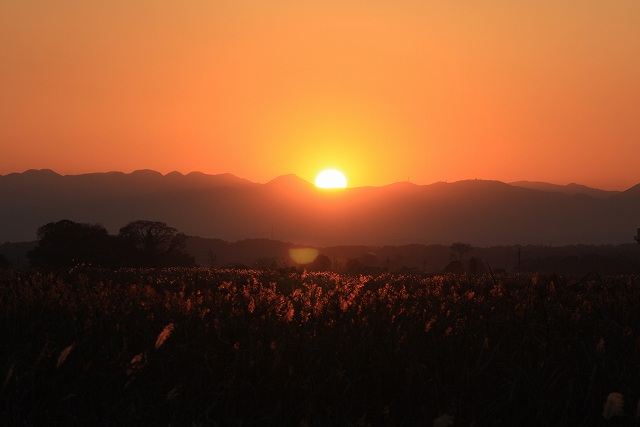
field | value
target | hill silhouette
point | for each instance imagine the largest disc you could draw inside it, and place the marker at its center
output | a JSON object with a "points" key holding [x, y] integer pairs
{"points": [[290, 209], [572, 188]]}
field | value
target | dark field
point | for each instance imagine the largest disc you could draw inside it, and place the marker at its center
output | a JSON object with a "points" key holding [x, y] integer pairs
{"points": [[199, 347]]}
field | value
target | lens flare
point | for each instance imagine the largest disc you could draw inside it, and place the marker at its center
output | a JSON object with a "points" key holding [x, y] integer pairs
{"points": [[303, 255]]}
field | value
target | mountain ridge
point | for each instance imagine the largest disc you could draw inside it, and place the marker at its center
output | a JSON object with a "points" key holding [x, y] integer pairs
{"points": [[571, 188], [289, 208]]}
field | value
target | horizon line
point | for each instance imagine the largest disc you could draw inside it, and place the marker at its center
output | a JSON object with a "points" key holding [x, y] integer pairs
{"points": [[408, 181]]}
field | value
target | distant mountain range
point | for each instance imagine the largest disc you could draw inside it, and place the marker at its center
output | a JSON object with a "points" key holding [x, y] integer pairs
{"points": [[290, 209]]}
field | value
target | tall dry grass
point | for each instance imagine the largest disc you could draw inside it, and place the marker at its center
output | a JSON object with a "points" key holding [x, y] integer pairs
{"points": [[227, 347]]}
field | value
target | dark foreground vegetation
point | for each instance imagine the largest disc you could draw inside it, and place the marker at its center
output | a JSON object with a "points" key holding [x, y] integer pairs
{"points": [[142, 243], [199, 347]]}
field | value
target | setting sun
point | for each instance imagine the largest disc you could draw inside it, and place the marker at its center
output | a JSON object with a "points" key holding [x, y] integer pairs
{"points": [[331, 178]]}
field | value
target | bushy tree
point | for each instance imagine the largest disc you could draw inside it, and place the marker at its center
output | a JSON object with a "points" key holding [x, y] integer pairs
{"points": [[458, 250], [153, 244], [140, 244], [65, 243], [321, 263]]}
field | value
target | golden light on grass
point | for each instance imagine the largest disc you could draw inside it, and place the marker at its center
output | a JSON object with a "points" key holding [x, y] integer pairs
{"points": [[331, 178]]}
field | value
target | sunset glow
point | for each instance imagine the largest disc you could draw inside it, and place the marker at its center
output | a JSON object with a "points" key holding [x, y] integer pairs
{"points": [[320, 212], [425, 91], [331, 178]]}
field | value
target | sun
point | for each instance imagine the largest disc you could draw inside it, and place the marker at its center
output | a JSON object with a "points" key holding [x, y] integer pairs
{"points": [[331, 178]]}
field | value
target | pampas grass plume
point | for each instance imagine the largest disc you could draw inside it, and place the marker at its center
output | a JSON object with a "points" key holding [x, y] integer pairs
{"points": [[164, 335], [64, 354], [445, 420], [614, 406]]}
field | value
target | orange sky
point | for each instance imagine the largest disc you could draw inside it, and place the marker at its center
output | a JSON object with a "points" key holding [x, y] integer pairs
{"points": [[384, 91]]}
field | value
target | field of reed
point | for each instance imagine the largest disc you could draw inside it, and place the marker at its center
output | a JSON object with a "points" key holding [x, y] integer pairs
{"points": [[203, 347]]}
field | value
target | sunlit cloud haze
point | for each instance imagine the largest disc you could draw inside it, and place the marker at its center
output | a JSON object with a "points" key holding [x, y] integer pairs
{"points": [[423, 91]]}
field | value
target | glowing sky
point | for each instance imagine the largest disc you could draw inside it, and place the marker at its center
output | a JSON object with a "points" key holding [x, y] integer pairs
{"points": [[422, 90]]}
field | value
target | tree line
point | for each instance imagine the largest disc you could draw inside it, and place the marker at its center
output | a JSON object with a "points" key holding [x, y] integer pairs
{"points": [[140, 243]]}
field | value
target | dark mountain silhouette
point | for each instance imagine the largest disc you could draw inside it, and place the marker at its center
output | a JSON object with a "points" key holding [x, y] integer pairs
{"points": [[572, 188], [482, 213], [628, 194]]}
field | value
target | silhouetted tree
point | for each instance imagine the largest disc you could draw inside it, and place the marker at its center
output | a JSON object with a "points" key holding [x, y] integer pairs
{"points": [[154, 244], [65, 243], [459, 249], [321, 263]]}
